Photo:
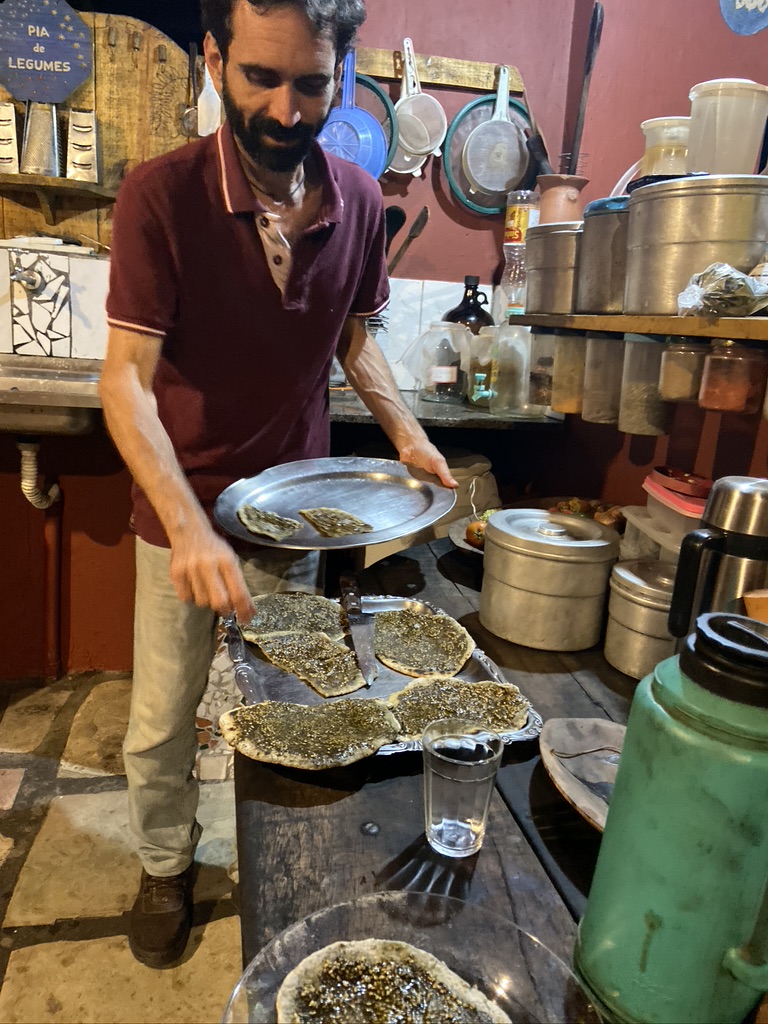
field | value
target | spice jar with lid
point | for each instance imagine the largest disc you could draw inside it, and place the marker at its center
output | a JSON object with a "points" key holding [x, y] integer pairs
{"points": [[542, 364], [733, 379], [568, 371], [682, 366], [602, 377], [642, 409]]}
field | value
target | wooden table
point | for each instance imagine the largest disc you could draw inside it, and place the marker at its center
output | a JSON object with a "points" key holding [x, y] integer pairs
{"points": [[311, 839]]}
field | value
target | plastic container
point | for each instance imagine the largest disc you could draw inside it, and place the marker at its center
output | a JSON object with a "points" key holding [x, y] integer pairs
{"points": [[733, 379], [637, 637], [727, 124], [568, 371], [510, 297], [509, 362], [666, 145], [679, 513], [479, 376], [602, 377], [522, 213], [682, 367], [542, 366], [641, 409]]}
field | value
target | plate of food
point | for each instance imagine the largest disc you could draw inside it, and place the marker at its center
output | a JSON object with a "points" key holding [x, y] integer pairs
{"points": [[344, 502], [308, 705], [396, 956]]}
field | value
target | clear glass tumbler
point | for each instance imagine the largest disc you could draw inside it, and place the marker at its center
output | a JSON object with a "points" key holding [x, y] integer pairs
{"points": [[461, 758]]}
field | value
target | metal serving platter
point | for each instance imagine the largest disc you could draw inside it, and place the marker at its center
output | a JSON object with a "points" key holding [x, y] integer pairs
{"points": [[261, 680], [396, 499]]}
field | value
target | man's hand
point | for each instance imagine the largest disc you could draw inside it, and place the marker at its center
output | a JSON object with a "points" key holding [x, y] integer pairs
{"points": [[205, 570], [424, 455]]}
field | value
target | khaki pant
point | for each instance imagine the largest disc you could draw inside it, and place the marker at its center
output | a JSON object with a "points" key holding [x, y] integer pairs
{"points": [[173, 648]]}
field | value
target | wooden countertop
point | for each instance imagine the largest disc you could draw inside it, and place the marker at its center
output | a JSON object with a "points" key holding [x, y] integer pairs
{"points": [[312, 839]]}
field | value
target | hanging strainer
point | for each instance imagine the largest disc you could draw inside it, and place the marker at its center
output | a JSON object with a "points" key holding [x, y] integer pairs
{"points": [[421, 120], [495, 154], [354, 134]]}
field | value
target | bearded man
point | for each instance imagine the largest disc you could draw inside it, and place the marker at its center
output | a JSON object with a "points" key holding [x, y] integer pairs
{"points": [[241, 264]]}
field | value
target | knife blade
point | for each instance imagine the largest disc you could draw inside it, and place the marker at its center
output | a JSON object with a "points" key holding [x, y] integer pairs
{"points": [[413, 232], [246, 676], [360, 626]]}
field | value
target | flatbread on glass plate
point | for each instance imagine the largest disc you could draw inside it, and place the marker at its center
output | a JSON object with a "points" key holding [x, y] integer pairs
{"points": [[316, 737], [295, 611], [375, 980], [499, 707], [419, 644], [328, 667]]}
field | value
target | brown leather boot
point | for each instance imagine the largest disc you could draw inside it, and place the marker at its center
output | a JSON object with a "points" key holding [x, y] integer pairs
{"points": [[161, 918]]}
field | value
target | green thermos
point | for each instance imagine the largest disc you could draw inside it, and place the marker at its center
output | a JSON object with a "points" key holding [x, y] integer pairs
{"points": [[676, 925]]}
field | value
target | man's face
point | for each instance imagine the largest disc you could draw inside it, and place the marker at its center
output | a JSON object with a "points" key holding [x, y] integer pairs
{"points": [[277, 83]]}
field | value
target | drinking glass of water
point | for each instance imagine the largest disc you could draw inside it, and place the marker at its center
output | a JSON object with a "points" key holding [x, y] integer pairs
{"points": [[461, 758]]}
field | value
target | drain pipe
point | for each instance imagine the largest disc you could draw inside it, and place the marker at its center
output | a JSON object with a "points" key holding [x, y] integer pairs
{"points": [[50, 502]]}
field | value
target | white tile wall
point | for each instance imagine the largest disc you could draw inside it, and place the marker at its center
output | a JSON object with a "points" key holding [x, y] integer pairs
{"points": [[89, 279]]}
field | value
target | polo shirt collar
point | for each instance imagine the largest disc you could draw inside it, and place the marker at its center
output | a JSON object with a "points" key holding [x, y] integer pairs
{"points": [[238, 195]]}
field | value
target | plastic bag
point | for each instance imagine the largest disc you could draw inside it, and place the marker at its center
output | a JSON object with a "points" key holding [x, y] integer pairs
{"points": [[722, 291]]}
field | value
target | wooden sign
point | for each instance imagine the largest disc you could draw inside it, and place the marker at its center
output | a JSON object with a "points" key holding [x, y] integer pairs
{"points": [[46, 50], [745, 17]]}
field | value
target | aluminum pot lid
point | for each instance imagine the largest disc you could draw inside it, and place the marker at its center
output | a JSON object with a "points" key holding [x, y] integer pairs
{"points": [[562, 227], [645, 579], [551, 535], [700, 183]]}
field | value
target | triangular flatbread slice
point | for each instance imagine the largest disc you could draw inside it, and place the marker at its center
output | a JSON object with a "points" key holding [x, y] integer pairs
{"points": [[499, 707], [328, 667], [267, 524], [420, 644], [323, 736], [380, 980], [334, 522], [295, 612]]}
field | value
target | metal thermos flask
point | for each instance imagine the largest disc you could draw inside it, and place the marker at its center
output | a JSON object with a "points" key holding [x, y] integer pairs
{"points": [[676, 924]]}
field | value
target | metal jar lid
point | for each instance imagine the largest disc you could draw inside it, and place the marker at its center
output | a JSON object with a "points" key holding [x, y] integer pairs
{"points": [[562, 538], [564, 227], [643, 582], [700, 184], [601, 207]]}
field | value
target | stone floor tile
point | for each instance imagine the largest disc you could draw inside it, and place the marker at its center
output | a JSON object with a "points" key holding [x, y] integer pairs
{"points": [[6, 845], [95, 744], [83, 861], [10, 780], [99, 982], [28, 718]]}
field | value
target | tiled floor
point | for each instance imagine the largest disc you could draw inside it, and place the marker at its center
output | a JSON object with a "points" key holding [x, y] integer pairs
{"points": [[68, 873]]}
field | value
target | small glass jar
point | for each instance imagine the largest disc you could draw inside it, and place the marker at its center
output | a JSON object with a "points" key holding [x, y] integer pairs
{"points": [[602, 377], [682, 367], [508, 365], [542, 364], [642, 409], [568, 371], [733, 378]]}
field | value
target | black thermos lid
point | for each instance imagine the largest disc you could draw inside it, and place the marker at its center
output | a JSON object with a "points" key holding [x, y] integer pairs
{"points": [[728, 655]]}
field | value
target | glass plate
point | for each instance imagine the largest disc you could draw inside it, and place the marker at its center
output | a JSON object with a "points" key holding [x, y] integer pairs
{"points": [[512, 968]]}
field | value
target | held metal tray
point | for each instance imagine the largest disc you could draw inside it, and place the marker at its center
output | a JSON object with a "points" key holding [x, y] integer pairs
{"points": [[395, 499], [260, 680]]}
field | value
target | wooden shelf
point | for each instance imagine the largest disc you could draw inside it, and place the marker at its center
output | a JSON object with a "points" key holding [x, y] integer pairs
{"points": [[450, 71], [49, 191], [739, 328]]}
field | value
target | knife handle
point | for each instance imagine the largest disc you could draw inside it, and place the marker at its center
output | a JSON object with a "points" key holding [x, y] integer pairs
{"points": [[350, 594]]}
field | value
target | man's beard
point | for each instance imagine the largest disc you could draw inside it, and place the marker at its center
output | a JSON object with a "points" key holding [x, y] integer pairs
{"points": [[295, 142]]}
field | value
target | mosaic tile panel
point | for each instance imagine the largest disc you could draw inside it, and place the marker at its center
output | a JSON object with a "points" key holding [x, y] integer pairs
{"points": [[6, 342], [41, 321]]}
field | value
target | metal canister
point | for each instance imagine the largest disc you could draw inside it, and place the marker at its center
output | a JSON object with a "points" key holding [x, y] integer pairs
{"points": [[678, 228], [637, 636], [603, 257], [545, 578], [551, 261]]}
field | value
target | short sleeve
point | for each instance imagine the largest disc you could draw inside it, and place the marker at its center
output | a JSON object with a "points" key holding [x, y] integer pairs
{"points": [[143, 278], [373, 291]]}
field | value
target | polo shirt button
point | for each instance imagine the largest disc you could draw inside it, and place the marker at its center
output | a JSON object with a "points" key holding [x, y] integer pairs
{"points": [[277, 260], [264, 222]]}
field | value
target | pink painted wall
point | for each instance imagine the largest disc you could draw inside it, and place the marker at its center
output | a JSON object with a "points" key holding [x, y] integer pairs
{"points": [[651, 53]]}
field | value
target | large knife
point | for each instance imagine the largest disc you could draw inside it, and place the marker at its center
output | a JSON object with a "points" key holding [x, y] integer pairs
{"points": [[246, 675], [360, 626]]}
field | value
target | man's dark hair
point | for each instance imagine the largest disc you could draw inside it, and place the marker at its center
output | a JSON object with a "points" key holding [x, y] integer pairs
{"points": [[339, 18]]}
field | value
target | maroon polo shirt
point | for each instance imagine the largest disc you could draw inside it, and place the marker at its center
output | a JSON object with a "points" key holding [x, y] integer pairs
{"points": [[242, 381]]}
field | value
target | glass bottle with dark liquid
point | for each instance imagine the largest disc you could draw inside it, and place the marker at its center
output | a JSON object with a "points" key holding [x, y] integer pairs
{"points": [[470, 310]]}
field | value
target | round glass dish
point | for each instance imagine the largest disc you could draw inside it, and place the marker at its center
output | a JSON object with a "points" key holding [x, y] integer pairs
{"points": [[512, 968]]}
